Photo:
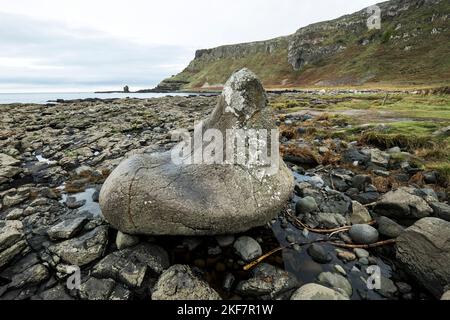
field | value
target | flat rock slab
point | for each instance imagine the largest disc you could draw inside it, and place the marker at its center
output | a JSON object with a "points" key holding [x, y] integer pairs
{"points": [[67, 228], [84, 249]]}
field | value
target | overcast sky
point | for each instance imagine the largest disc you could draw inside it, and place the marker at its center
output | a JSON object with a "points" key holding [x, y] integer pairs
{"points": [[88, 45]]}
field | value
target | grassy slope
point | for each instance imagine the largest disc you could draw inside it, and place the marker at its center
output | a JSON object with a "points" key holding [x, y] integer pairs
{"points": [[383, 62], [416, 118]]}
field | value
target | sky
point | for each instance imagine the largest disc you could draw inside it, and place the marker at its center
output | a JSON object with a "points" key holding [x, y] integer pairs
{"points": [[88, 45]]}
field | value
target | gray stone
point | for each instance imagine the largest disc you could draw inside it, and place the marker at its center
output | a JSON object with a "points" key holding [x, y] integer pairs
{"points": [[388, 227], [96, 289], [441, 210], [361, 253], [12, 241], [84, 249], [360, 182], [247, 248], [363, 234], [120, 293], [129, 266], [387, 287], [359, 214], [267, 282], [55, 294], [402, 203], [66, 229], [225, 241], [318, 253], [199, 199], [336, 282], [179, 283], [124, 240], [446, 296], [314, 291], [424, 251], [31, 276], [306, 205], [73, 203], [379, 158]]}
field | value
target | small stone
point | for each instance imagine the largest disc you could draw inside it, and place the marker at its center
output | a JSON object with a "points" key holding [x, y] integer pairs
{"points": [[388, 288], [363, 261], [267, 282], [72, 203], [214, 251], [57, 293], [306, 205], [124, 240], [228, 282], [360, 214], [15, 214], [179, 283], [403, 287], [96, 289], [441, 210], [363, 234], [340, 270], [336, 282], [66, 229], [225, 241], [247, 248], [129, 266], [319, 254], [361, 253], [389, 228], [346, 256], [360, 182], [446, 296]]}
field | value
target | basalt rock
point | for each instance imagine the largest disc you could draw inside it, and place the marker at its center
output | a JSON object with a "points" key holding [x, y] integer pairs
{"points": [[152, 194]]}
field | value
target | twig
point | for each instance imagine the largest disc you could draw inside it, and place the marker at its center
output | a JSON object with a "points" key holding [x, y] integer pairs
{"points": [[254, 263], [322, 231], [363, 246], [265, 256]]}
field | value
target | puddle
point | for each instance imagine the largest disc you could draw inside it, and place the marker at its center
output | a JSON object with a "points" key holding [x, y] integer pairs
{"points": [[90, 205], [40, 158]]}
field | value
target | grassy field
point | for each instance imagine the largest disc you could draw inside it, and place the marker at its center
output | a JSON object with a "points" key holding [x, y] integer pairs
{"points": [[408, 121]]}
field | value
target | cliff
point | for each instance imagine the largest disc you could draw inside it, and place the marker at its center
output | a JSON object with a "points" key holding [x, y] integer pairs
{"points": [[411, 48]]}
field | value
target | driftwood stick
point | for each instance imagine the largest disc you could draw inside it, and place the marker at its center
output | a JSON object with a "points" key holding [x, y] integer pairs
{"points": [[364, 246], [254, 263], [324, 231]]}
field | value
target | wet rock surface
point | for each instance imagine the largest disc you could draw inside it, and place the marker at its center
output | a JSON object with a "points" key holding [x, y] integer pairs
{"points": [[52, 153]]}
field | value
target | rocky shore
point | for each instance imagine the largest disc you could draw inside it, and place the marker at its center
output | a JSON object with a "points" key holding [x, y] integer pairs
{"points": [[354, 207]]}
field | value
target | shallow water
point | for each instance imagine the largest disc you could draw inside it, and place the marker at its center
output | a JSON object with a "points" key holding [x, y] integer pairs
{"points": [[45, 97], [90, 205]]}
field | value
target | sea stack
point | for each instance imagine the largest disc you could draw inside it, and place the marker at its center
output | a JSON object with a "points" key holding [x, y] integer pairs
{"points": [[159, 194]]}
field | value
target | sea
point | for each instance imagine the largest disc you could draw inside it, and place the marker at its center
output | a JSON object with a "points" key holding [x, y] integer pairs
{"points": [[46, 97]]}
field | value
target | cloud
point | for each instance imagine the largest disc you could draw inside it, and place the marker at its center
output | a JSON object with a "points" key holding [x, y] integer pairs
{"points": [[50, 54]]}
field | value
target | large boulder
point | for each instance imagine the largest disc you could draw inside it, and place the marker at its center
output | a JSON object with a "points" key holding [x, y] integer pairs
{"points": [[154, 195], [403, 203], [424, 250]]}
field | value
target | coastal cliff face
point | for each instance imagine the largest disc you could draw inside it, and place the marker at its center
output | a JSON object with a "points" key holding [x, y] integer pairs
{"points": [[411, 48]]}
